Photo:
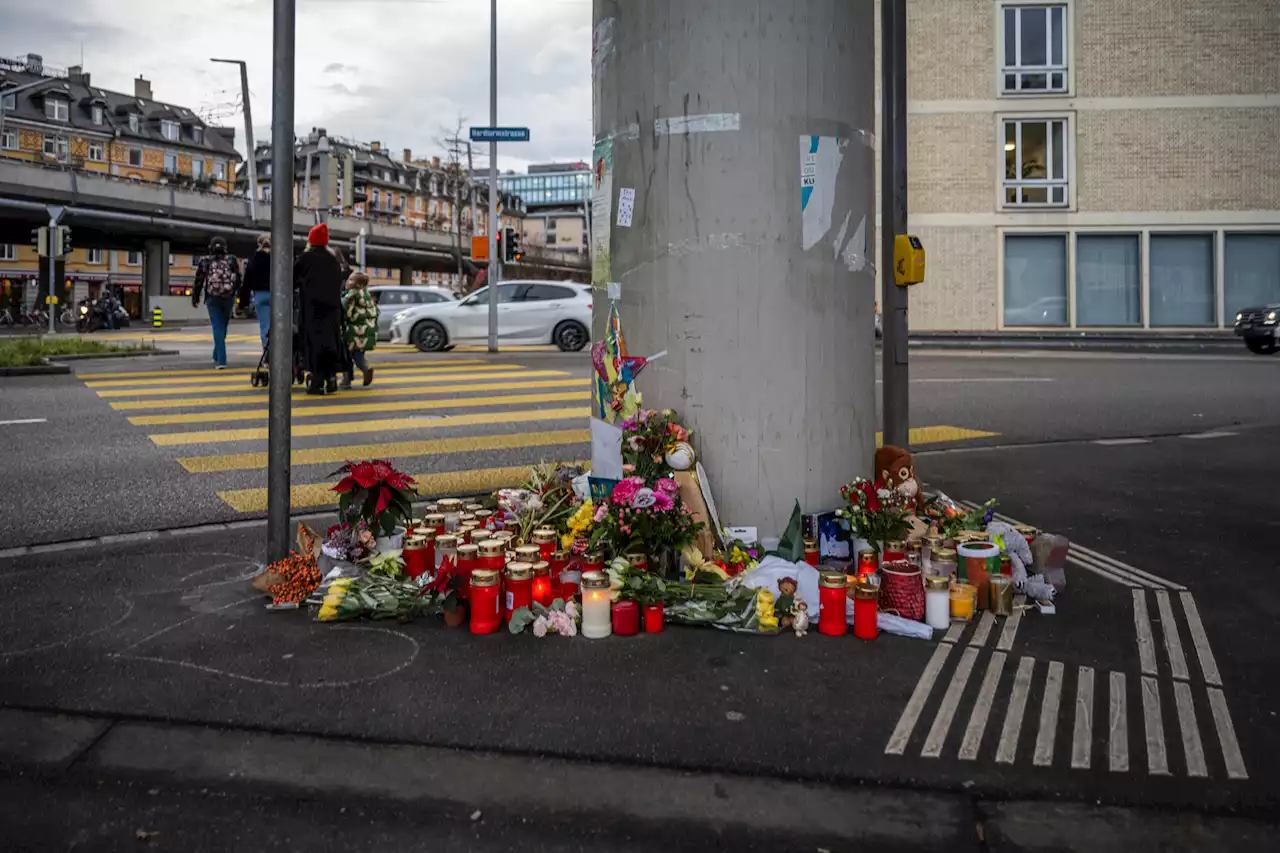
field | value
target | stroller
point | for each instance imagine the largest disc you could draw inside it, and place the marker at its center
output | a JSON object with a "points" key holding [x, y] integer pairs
{"points": [[261, 375]]}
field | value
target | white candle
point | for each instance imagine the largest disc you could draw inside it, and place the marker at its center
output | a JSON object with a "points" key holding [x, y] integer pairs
{"points": [[597, 616], [937, 603]]}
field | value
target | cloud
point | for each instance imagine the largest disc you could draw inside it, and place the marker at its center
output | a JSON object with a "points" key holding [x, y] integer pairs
{"points": [[408, 69]]}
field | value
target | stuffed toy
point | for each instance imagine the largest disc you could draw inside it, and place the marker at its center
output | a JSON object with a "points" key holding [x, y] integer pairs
{"points": [[897, 470], [1013, 544]]}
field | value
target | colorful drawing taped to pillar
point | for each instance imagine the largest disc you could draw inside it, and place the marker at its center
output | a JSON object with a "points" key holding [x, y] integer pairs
{"points": [[820, 159], [601, 211]]}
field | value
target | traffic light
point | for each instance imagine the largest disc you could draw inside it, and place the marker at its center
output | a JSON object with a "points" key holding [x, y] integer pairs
{"points": [[511, 246], [62, 242], [40, 239]]}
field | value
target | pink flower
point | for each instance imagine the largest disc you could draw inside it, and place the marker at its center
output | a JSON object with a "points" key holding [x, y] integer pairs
{"points": [[540, 627], [667, 486], [662, 501], [601, 512], [626, 490]]}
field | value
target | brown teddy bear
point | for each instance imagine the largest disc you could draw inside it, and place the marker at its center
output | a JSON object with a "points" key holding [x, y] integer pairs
{"points": [[896, 469]]}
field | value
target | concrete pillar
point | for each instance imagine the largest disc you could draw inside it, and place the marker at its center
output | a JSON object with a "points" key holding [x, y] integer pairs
{"points": [[406, 275], [745, 131], [155, 272]]}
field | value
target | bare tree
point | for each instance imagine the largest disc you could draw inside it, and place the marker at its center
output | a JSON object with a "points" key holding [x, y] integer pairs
{"points": [[453, 144]]}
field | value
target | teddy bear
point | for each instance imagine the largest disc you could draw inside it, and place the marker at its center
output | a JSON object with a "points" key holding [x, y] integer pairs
{"points": [[896, 469]]}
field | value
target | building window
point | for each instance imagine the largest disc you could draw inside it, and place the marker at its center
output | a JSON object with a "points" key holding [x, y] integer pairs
{"points": [[374, 194], [1252, 271], [169, 130], [1108, 280], [266, 171], [10, 102], [1035, 163], [266, 192], [1033, 49], [134, 122], [95, 257], [197, 135], [171, 259], [220, 170], [1035, 280], [133, 259], [8, 252], [135, 156], [171, 163], [56, 109], [56, 147], [9, 140], [97, 152], [1181, 280], [197, 167]]}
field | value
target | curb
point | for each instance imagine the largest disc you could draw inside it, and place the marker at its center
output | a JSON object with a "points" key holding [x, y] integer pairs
{"points": [[89, 356], [34, 369]]}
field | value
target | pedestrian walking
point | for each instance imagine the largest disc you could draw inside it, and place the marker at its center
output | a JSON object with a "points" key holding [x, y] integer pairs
{"points": [[218, 276], [257, 286], [359, 327], [317, 275]]}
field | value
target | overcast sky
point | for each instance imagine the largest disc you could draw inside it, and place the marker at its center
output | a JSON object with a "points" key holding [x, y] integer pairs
{"points": [[396, 71]]}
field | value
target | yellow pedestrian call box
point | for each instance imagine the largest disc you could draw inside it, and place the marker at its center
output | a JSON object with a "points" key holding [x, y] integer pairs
{"points": [[908, 260]]}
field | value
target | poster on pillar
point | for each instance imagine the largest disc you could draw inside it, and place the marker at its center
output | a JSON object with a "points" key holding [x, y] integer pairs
{"points": [[822, 206], [601, 211]]}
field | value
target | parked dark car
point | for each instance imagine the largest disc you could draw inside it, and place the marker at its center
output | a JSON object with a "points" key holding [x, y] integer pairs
{"points": [[1260, 328]]}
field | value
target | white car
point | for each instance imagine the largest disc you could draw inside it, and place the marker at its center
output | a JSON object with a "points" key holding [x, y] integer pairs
{"points": [[393, 299], [529, 312]]}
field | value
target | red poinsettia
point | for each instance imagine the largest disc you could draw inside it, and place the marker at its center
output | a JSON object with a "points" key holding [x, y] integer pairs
{"points": [[374, 492]]}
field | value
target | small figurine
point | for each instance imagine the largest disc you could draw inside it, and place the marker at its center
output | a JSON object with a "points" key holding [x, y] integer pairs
{"points": [[801, 623]]}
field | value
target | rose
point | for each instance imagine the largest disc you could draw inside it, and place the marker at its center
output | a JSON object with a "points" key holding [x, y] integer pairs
{"points": [[662, 502], [667, 486], [643, 499], [624, 491]]}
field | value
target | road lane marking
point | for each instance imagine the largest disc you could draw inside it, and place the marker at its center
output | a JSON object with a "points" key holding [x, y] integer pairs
{"points": [[21, 421], [982, 708], [1010, 629], [1121, 442], [213, 380], [485, 373], [950, 701], [170, 439], [1201, 435], [1192, 749], [1048, 732], [1082, 734], [1153, 724], [976, 379], [317, 455], [317, 405], [1115, 575], [983, 630], [449, 483], [1172, 644], [1142, 622], [1118, 727], [1100, 573], [1226, 735], [364, 408], [955, 632], [1208, 665], [897, 744], [1008, 747], [143, 374]]}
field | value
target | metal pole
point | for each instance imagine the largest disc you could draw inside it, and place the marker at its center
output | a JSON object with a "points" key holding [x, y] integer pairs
{"points": [[493, 177], [53, 242], [248, 136], [281, 356], [893, 218]]}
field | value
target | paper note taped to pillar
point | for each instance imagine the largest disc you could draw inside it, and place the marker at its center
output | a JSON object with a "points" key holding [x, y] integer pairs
{"points": [[626, 206], [820, 160]]}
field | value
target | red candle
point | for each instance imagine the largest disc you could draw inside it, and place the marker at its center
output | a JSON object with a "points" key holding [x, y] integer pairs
{"points": [[832, 613], [811, 552], [492, 554], [518, 589], [542, 583], [419, 557], [653, 618], [435, 521], [545, 538], [558, 562], [626, 618], [486, 617], [867, 563], [866, 608], [894, 551], [570, 583], [468, 561], [595, 562], [639, 559]]}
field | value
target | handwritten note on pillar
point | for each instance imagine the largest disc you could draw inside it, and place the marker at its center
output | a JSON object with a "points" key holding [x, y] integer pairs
{"points": [[626, 206]]}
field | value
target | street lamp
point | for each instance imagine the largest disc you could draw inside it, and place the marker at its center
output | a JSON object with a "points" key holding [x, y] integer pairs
{"points": [[248, 136]]}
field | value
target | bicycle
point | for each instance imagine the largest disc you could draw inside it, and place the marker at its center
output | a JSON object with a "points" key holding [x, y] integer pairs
{"points": [[6, 318]]}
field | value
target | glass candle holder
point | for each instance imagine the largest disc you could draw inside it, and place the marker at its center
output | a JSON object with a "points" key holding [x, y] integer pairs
{"points": [[517, 588], [1000, 595], [451, 508], [979, 561], [528, 553], [465, 517], [894, 551], [1027, 532], [596, 618], [937, 602], [811, 552], [545, 538], [559, 561], [435, 521], [639, 559], [485, 517], [626, 618], [542, 583], [446, 546], [832, 610], [964, 600], [932, 545], [468, 562], [915, 555], [653, 617], [472, 506], [593, 562], [866, 611], [486, 615], [868, 562], [419, 556], [492, 554], [570, 584], [943, 562]]}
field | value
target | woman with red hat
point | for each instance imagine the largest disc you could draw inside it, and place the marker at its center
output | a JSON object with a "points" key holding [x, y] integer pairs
{"points": [[317, 275]]}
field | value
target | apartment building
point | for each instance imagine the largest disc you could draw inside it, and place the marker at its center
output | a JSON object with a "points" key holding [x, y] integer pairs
{"points": [[555, 196], [1094, 164]]}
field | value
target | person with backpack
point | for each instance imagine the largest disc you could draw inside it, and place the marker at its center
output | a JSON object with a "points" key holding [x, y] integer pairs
{"points": [[218, 276]]}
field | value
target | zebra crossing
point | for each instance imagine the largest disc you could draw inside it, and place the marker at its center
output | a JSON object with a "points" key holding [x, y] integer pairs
{"points": [[1051, 714]]}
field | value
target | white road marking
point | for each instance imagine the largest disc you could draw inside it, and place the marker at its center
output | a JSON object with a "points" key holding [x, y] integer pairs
{"points": [[1208, 666], [1172, 644], [1157, 759], [979, 638], [1082, 736], [1100, 573], [982, 708], [1010, 630], [1146, 645], [1121, 442], [977, 379], [897, 744], [1114, 575], [1191, 746], [950, 701], [1226, 735], [25, 421], [1008, 747], [1049, 716], [955, 632], [1118, 726], [1200, 435]]}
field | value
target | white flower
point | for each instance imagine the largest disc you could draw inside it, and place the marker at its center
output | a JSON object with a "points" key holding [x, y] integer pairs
{"points": [[540, 627], [882, 494], [643, 499], [571, 609], [636, 442], [534, 504]]}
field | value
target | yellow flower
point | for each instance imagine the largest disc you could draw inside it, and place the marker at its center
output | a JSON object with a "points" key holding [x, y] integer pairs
{"points": [[328, 613]]}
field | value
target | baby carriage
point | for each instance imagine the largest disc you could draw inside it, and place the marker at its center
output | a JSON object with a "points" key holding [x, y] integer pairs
{"points": [[261, 375]]}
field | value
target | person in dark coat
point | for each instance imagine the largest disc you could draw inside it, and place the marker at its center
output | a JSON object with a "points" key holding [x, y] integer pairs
{"points": [[317, 276], [257, 286]]}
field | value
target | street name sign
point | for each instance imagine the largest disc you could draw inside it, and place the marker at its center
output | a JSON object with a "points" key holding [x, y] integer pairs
{"points": [[499, 134]]}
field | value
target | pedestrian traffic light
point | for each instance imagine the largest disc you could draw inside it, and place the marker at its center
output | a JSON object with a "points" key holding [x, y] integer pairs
{"points": [[40, 239], [512, 246], [62, 245]]}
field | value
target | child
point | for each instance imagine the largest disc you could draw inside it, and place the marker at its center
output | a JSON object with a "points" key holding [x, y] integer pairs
{"points": [[359, 326]]}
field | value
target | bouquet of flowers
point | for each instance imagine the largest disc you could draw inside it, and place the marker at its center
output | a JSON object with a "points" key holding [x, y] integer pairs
{"points": [[545, 500], [348, 542], [293, 579], [646, 438], [560, 618], [639, 518], [948, 518], [705, 601], [876, 512], [375, 493]]}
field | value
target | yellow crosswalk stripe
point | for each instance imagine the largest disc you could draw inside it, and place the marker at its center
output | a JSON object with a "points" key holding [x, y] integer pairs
{"points": [[255, 397], [939, 434], [216, 379], [143, 374], [390, 380], [217, 436], [396, 450], [451, 483], [363, 408]]}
